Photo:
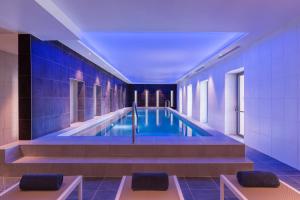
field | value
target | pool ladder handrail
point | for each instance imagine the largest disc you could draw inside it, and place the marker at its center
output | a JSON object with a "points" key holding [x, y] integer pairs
{"points": [[135, 120]]}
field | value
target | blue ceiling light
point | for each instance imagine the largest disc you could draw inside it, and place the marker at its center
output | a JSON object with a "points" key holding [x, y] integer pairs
{"points": [[158, 57]]}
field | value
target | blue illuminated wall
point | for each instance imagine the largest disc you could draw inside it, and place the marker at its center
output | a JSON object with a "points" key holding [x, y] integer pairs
{"points": [[45, 70]]}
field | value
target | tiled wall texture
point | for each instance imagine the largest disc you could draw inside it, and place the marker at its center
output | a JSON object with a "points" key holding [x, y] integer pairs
{"points": [[164, 94], [8, 97], [51, 65], [272, 94]]}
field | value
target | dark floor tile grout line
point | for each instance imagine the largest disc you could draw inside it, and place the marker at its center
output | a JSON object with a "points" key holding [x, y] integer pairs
{"points": [[97, 189], [217, 185], [187, 187], [94, 195], [193, 198]]}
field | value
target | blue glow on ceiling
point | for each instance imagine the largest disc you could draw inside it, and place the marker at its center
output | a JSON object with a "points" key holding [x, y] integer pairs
{"points": [[158, 57]]}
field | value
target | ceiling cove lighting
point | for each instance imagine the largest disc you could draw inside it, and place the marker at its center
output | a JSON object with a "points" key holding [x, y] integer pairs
{"points": [[221, 53], [150, 57], [91, 51], [199, 69]]}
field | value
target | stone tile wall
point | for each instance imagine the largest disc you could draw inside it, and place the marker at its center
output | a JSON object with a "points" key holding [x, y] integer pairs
{"points": [[47, 67]]}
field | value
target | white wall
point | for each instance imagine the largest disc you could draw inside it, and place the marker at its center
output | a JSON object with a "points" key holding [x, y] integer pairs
{"points": [[272, 92], [8, 98], [180, 100], [203, 100], [189, 102]]}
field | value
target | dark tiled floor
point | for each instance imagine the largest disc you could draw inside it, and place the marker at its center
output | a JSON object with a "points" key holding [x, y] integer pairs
{"points": [[194, 188]]}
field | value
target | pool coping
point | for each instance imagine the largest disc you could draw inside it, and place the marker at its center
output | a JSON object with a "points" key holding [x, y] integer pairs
{"points": [[96, 122]]}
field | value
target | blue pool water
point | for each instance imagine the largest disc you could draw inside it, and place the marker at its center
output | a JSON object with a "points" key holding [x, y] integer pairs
{"points": [[153, 122]]}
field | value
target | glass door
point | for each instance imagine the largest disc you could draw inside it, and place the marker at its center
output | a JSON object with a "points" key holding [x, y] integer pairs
{"points": [[241, 105]]}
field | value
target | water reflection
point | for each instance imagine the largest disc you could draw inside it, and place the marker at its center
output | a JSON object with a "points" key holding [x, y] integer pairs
{"points": [[180, 126], [151, 122], [184, 129], [157, 117], [189, 132], [146, 118]]}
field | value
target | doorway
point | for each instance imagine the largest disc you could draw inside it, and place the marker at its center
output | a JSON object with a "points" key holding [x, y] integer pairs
{"points": [[97, 101], [77, 93], [180, 100], [203, 101], [241, 104], [73, 101], [189, 100]]}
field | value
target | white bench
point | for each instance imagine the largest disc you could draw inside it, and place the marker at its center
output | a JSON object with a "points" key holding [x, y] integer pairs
{"points": [[125, 192], [283, 192], [70, 183]]}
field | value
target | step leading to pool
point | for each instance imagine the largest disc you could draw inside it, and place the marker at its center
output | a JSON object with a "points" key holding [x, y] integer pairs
{"points": [[118, 160], [119, 166], [137, 150]]}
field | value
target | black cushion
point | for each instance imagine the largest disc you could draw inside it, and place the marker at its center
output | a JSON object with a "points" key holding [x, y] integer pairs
{"points": [[257, 179], [150, 181], [41, 181]]}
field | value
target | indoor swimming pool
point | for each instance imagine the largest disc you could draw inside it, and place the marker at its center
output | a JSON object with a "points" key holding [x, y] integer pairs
{"points": [[151, 122]]}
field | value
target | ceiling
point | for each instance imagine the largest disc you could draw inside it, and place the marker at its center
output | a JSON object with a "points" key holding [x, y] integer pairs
{"points": [[178, 15], [149, 41], [158, 57]]}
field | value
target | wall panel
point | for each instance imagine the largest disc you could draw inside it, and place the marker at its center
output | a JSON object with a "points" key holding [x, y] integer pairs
{"points": [[272, 94], [47, 67]]}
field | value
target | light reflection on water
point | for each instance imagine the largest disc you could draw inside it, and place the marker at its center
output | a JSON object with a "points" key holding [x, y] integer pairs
{"points": [[153, 122]]}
